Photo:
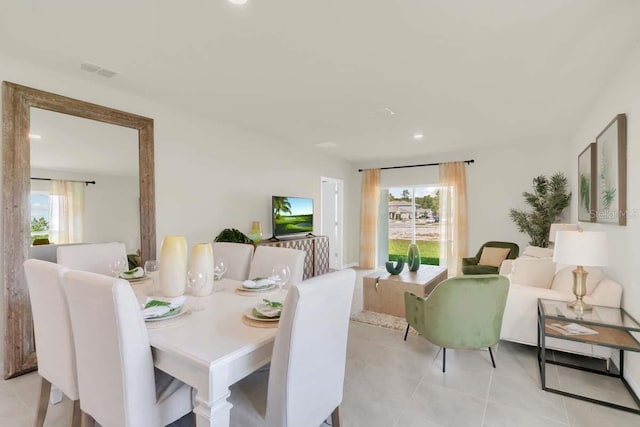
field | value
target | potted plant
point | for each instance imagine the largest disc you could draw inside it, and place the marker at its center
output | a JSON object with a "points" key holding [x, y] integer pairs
{"points": [[548, 199]]}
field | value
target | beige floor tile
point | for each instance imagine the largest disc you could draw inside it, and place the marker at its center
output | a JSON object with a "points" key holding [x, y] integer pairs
{"points": [[585, 414], [497, 415]]}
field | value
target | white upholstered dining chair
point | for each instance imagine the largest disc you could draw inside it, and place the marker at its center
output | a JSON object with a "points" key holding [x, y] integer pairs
{"points": [[53, 336], [306, 377], [237, 257], [117, 381], [94, 257], [267, 257]]}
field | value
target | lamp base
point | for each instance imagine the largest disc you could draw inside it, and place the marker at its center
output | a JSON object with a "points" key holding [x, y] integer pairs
{"points": [[579, 305]]}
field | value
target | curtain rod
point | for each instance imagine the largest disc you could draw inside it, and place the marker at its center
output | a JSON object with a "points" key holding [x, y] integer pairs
{"points": [[417, 166], [72, 180]]}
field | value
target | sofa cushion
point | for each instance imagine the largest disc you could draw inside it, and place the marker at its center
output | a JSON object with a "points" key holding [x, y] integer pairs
{"points": [[538, 272], [563, 280], [493, 256]]}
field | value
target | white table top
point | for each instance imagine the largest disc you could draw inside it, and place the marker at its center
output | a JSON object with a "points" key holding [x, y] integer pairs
{"points": [[211, 348]]}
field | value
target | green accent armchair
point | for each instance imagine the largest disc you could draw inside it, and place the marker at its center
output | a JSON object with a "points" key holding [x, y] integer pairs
{"points": [[470, 265], [461, 312]]}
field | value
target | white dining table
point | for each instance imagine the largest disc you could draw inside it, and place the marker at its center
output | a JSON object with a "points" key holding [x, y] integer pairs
{"points": [[210, 348]]}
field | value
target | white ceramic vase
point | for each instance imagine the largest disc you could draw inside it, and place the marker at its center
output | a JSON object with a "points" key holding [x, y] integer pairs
{"points": [[202, 262], [173, 266]]}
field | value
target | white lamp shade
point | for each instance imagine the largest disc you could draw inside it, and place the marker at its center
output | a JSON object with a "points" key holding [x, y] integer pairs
{"points": [[586, 248], [560, 227]]}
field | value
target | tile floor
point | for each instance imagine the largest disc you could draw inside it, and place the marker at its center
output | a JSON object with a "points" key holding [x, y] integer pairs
{"points": [[390, 382]]}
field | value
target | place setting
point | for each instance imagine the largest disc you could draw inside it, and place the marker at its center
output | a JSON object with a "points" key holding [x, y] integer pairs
{"points": [[265, 314], [157, 309], [278, 279]]}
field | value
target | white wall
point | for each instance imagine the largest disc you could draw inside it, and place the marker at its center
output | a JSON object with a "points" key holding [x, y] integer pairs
{"points": [[111, 206], [622, 95], [208, 176], [495, 182]]}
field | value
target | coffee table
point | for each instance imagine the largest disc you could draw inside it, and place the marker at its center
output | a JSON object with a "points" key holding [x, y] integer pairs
{"points": [[384, 292], [615, 329]]}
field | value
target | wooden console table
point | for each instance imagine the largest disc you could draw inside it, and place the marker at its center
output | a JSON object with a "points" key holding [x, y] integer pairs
{"points": [[384, 293], [317, 248]]}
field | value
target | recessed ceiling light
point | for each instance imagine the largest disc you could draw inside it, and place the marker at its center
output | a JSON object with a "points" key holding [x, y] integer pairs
{"points": [[418, 136], [35, 136], [328, 144], [238, 1]]}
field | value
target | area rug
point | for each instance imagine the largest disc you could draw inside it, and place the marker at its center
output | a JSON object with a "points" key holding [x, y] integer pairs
{"points": [[382, 320]]}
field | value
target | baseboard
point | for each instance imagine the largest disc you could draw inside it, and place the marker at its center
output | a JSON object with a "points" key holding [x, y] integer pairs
{"points": [[349, 265]]}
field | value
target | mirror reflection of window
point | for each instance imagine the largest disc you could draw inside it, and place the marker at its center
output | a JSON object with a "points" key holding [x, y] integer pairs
{"points": [[69, 150]]}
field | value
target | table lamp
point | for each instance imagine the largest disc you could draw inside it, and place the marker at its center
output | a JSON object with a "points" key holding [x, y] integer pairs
{"points": [[580, 248], [560, 227]]}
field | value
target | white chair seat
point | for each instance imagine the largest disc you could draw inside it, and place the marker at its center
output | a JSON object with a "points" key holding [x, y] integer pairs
{"points": [[306, 375], [237, 256], [116, 377], [267, 257]]}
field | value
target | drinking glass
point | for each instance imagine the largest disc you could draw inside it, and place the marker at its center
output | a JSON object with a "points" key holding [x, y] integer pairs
{"points": [[196, 280], [118, 265], [219, 268], [152, 270], [280, 275]]}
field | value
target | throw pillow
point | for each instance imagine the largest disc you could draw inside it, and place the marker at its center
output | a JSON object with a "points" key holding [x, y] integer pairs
{"points": [[493, 256], [563, 280], [537, 272]]}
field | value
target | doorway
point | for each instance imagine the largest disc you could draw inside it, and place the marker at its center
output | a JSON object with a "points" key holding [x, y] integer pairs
{"points": [[331, 213]]}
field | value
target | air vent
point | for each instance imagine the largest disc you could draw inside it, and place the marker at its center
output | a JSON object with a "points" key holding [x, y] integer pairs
{"points": [[93, 68]]}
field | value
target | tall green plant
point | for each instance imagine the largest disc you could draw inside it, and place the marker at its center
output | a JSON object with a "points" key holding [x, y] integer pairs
{"points": [[548, 199]]}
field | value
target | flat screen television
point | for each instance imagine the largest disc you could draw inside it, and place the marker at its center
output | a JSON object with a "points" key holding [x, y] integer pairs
{"points": [[291, 215]]}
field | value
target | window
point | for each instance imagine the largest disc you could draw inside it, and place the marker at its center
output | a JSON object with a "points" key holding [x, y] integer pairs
{"points": [[413, 214], [39, 215]]}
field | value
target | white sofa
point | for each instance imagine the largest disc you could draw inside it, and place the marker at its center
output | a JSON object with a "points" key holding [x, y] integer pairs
{"points": [[532, 278]]}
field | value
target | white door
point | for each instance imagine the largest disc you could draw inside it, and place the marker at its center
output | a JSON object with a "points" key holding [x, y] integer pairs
{"points": [[331, 218]]}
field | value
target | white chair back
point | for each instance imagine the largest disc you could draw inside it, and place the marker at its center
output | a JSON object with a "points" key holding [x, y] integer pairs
{"points": [[94, 257], [267, 257], [115, 367], [309, 355], [52, 326], [238, 258]]}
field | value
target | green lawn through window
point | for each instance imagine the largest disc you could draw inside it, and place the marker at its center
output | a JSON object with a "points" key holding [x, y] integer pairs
{"points": [[429, 250]]}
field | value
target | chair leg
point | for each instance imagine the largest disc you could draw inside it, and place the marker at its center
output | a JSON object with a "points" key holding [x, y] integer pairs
{"points": [[406, 332], [444, 358], [87, 420], [43, 402], [76, 418], [335, 417], [493, 362]]}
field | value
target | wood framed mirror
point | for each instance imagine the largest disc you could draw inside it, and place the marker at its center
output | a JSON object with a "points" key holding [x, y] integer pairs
{"points": [[17, 101]]}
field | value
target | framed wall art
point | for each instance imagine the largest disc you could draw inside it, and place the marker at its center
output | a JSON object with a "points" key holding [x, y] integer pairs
{"points": [[611, 173], [587, 170]]}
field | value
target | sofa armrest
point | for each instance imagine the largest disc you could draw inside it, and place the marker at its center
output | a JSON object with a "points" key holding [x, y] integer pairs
{"points": [[470, 261], [607, 293], [506, 267]]}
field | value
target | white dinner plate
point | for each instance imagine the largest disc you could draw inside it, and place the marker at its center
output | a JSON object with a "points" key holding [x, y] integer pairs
{"points": [[264, 288], [134, 279], [173, 315], [249, 314]]}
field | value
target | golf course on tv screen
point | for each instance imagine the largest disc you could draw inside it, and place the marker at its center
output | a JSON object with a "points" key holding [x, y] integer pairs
{"points": [[292, 215]]}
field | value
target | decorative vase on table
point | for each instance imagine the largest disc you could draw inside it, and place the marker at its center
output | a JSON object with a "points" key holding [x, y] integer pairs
{"points": [[173, 266], [256, 232], [202, 262], [413, 257]]}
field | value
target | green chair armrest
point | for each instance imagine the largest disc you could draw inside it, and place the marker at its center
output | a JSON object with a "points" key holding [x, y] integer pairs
{"points": [[470, 261]]}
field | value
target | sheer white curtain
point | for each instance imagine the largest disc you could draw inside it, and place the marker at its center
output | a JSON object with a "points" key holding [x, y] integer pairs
{"points": [[66, 211], [369, 201], [453, 216]]}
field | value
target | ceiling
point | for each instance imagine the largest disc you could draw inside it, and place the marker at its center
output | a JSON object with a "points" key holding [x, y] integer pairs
{"points": [[467, 74], [70, 143]]}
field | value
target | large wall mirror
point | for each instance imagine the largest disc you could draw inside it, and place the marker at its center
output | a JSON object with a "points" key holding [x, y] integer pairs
{"points": [[74, 141]]}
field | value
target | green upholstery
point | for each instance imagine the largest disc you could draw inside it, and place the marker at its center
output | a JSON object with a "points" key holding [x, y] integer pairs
{"points": [[470, 265], [461, 312]]}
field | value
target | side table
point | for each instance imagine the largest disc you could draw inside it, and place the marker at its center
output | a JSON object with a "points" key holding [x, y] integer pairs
{"points": [[384, 293], [614, 327]]}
